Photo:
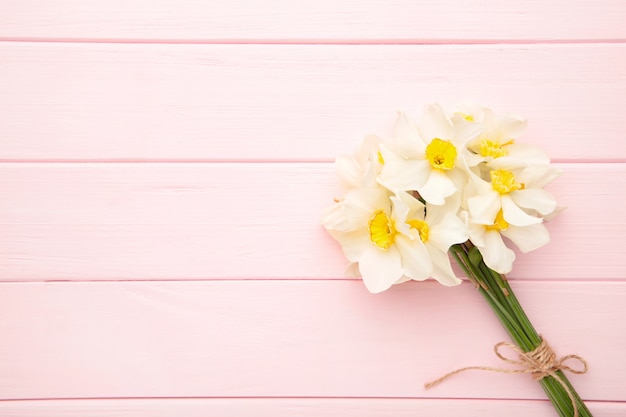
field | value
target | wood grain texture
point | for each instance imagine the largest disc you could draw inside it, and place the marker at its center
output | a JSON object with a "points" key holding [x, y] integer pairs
{"points": [[168, 162], [291, 339], [243, 220], [289, 407], [323, 20], [105, 102]]}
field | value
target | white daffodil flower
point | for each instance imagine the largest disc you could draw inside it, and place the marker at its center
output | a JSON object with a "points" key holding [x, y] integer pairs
{"points": [[374, 233], [353, 170], [426, 158], [437, 228], [371, 234], [496, 254], [393, 239], [498, 138], [517, 192]]}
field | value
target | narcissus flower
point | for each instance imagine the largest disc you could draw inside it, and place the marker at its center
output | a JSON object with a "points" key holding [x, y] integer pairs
{"points": [[498, 138], [394, 238], [496, 254], [373, 233], [518, 193], [437, 228], [353, 170], [426, 158]]}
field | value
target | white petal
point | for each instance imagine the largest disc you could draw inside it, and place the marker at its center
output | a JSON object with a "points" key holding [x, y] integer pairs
{"points": [[402, 280], [370, 177], [352, 168], [515, 215], [466, 132], [469, 109], [477, 234], [417, 209], [368, 146], [442, 270], [472, 159], [379, 269], [407, 140], [435, 124], [436, 213], [400, 174], [477, 185], [489, 118], [343, 218], [538, 176], [333, 215], [356, 210], [528, 153], [353, 244], [536, 199], [495, 253], [483, 208], [449, 231], [352, 270], [348, 170], [459, 176], [558, 210], [415, 259], [507, 162], [400, 207], [367, 200], [400, 213], [437, 188], [528, 238], [511, 127]]}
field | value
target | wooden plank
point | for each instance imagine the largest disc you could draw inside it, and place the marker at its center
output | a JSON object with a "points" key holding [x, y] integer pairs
{"points": [[323, 20], [292, 339], [141, 102], [217, 221], [302, 407]]}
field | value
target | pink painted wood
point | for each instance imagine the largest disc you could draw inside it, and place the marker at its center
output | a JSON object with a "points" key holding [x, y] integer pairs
{"points": [[304, 407], [291, 339], [169, 160], [302, 21], [243, 220], [142, 102]]}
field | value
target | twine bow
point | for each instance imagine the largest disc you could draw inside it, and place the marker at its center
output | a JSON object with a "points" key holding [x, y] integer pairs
{"points": [[539, 363]]}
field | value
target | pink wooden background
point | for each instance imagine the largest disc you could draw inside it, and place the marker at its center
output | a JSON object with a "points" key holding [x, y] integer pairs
{"points": [[164, 164]]}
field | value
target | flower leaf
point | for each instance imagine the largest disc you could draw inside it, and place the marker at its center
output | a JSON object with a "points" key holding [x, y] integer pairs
{"points": [[474, 256]]}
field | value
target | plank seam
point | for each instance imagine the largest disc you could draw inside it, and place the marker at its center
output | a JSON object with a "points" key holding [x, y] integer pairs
{"points": [[270, 397], [514, 281], [365, 42], [249, 161]]}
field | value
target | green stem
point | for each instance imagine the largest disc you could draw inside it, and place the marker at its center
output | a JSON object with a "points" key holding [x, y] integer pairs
{"points": [[503, 316], [500, 296], [518, 310]]}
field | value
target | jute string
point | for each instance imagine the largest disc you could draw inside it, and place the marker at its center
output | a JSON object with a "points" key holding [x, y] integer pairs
{"points": [[539, 363]]}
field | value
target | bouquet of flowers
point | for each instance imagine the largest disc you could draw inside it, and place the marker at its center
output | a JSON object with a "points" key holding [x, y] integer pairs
{"points": [[455, 184]]}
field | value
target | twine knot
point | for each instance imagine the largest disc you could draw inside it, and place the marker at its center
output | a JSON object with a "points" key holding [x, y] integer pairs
{"points": [[540, 363]]}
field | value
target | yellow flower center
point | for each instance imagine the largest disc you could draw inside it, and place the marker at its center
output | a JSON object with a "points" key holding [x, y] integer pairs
{"points": [[503, 181], [381, 160], [494, 149], [422, 227], [499, 223], [441, 154], [382, 230], [467, 117]]}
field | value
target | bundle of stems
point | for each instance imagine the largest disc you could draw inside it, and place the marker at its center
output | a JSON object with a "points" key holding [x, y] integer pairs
{"points": [[496, 290]]}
